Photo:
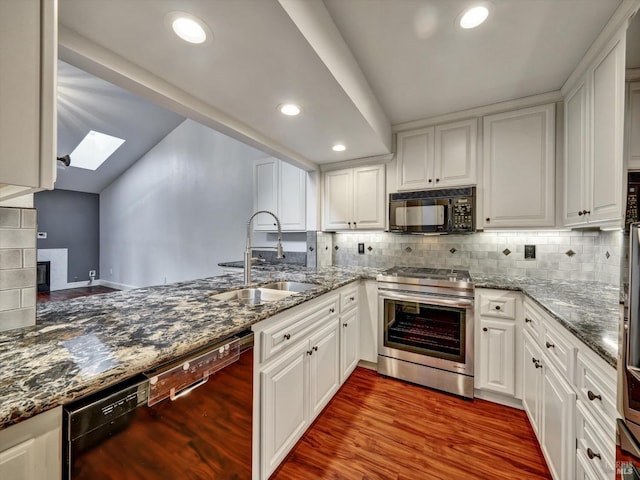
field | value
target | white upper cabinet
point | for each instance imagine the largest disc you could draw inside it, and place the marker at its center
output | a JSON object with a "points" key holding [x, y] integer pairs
{"points": [[354, 198], [279, 188], [519, 168], [633, 126], [437, 157], [594, 136], [27, 96]]}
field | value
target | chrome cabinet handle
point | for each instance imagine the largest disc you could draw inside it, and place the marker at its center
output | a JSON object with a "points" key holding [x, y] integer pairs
{"points": [[592, 455], [592, 396], [287, 336], [549, 345]]}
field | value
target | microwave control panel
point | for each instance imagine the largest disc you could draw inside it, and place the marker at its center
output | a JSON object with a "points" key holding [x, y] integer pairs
{"points": [[463, 214]]}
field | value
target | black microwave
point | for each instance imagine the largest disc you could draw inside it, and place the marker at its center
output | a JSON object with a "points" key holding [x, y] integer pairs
{"points": [[450, 210]]}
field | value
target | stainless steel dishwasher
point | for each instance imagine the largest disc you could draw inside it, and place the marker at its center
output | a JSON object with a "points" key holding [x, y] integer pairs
{"points": [[188, 419]]}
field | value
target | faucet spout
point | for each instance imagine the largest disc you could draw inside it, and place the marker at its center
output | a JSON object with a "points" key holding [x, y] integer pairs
{"points": [[247, 252]]}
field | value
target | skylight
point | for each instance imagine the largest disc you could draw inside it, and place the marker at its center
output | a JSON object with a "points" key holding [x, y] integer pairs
{"points": [[94, 149]]}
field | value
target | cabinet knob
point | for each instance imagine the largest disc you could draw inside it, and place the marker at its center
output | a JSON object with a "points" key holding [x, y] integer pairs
{"points": [[429, 180], [580, 213], [332, 310], [497, 307], [352, 299], [592, 396], [591, 454], [354, 224], [487, 219], [549, 345], [527, 320], [287, 336], [315, 348], [437, 180], [536, 362], [485, 329], [349, 223], [345, 324], [309, 352]]}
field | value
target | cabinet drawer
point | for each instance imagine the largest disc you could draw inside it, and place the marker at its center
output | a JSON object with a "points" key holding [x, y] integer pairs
{"points": [[596, 386], [558, 350], [499, 306], [280, 336], [594, 447], [348, 299], [532, 321]]}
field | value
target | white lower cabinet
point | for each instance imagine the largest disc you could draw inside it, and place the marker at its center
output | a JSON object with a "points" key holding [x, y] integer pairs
{"points": [[301, 357], [31, 450], [532, 383]]}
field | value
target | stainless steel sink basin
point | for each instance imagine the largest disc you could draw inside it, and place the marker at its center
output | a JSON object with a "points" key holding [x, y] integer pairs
{"points": [[290, 286], [252, 296]]}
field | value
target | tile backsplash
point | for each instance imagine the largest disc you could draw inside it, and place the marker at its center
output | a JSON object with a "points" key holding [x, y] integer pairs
{"points": [[568, 255], [17, 267]]}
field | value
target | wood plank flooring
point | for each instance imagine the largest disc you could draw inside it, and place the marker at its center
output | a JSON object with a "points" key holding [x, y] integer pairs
{"points": [[381, 428], [73, 293]]}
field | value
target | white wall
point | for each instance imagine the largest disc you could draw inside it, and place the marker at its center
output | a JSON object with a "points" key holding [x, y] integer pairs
{"points": [[179, 210]]}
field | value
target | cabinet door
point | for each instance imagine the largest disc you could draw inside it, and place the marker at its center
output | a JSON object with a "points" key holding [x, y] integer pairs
{"points": [[532, 382], [292, 198], [265, 192], [633, 126], [607, 135], [497, 356], [576, 175], [519, 168], [324, 371], [557, 422], [284, 406], [369, 197], [455, 154], [338, 200], [415, 159], [349, 343]]}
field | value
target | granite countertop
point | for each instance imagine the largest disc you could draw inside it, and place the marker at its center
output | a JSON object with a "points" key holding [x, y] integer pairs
{"points": [[82, 345], [589, 310]]}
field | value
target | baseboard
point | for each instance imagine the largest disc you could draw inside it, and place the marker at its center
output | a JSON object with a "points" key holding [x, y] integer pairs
{"points": [[369, 365], [117, 286], [505, 400]]}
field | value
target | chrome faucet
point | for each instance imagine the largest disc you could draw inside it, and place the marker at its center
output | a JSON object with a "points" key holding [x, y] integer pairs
{"points": [[247, 252]]}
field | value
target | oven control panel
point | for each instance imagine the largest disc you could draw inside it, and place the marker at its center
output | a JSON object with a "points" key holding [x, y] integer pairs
{"points": [[463, 215]]}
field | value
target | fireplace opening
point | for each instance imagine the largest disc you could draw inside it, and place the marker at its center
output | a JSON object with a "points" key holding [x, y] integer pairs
{"points": [[44, 276]]}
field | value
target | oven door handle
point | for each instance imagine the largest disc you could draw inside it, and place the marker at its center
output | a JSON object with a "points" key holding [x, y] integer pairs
{"points": [[430, 299]]}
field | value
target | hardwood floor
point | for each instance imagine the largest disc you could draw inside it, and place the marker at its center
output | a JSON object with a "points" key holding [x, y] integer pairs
{"points": [[381, 428], [73, 293]]}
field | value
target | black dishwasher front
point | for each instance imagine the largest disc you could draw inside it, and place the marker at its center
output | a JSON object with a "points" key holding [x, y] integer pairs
{"points": [[189, 419]]}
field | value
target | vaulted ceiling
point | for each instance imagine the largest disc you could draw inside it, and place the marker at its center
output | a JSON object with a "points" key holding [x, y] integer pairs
{"points": [[355, 66]]}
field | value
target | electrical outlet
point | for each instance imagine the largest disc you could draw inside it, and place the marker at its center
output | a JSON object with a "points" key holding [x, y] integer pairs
{"points": [[529, 252], [361, 248], [92, 273], [42, 235]]}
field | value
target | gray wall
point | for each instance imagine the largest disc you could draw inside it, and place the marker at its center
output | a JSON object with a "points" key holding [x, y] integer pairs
{"points": [[72, 221], [179, 210]]}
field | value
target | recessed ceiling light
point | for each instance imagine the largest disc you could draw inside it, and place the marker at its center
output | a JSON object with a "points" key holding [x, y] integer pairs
{"points": [[189, 28], [474, 16], [289, 109], [338, 147], [94, 149]]}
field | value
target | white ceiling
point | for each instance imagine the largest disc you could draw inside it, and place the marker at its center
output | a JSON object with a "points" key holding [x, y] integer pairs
{"points": [[403, 60], [85, 103]]}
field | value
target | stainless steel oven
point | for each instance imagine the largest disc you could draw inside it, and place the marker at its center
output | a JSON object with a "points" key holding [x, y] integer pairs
{"points": [[426, 328]]}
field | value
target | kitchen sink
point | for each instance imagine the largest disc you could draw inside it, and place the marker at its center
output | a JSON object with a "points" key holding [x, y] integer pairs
{"points": [[290, 286], [253, 296]]}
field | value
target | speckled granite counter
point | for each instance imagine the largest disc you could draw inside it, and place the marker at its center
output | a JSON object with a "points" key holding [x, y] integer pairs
{"points": [[82, 345], [589, 310]]}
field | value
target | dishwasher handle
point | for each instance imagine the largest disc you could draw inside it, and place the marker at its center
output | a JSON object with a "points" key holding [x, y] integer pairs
{"points": [[174, 396]]}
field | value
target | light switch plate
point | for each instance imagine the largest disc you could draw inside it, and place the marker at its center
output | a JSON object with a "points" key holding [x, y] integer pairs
{"points": [[529, 252]]}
